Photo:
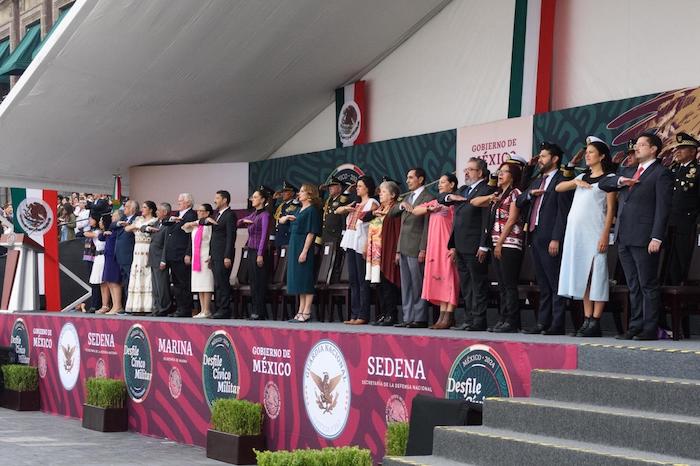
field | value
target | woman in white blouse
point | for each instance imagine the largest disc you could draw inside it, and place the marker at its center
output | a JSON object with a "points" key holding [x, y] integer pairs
{"points": [[355, 245]]}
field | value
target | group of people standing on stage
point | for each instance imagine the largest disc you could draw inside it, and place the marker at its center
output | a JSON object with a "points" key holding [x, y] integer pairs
{"points": [[419, 249], [136, 257]]}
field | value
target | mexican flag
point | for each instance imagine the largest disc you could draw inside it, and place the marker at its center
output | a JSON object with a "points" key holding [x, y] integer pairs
{"points": [[117, 193], [531, 59], [350, 115], [35, 215]]}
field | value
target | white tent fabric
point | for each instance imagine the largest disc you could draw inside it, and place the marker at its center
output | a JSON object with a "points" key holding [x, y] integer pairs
{"points": [[132, 82]]}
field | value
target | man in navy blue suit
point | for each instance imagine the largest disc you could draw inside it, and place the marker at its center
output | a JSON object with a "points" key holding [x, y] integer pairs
{"points": [[124, 245], [546, 213], [643, 209]]}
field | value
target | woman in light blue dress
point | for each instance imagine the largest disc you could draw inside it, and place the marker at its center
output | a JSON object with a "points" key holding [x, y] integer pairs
{"points": [[584, 265]]}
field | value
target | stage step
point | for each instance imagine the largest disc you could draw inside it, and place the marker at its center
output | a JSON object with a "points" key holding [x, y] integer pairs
{"points": [[494, 447], [647, 393], [652, 432], [419, 460], [640, 360], [594, 415]]}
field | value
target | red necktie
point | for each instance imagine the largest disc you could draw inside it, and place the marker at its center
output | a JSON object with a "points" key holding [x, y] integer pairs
{"points": [[637, 174], [536, 206]]}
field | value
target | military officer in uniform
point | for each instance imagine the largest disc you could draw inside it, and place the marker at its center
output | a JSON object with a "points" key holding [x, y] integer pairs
{"points": [[685, 205], [288, 206], [333, 223]]}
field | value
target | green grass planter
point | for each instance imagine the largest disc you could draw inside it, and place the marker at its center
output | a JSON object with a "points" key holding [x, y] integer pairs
{"points": [[396, 438], [343, 456], [105, 405], [21, 388], [236, 431]]}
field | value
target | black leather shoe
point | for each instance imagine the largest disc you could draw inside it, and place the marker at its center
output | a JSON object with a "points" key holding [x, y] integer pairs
{"points": [[417, 325], [402, 324], [379, 321], [498, 325], [476, 328], [554, 331], [645, 337], [181, 314], [628, 335], [506, 328], [387, 322], [221, 315], [536, 330], [464, 326]]}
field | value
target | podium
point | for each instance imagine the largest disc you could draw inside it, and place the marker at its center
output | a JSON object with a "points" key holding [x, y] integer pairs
{"points": [[20, 290]]}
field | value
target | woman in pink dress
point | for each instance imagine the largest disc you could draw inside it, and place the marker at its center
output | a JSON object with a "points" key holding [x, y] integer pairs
{"points": [[440, 279]]}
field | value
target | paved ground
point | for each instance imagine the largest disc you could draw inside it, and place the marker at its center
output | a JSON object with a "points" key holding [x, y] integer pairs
{"points": [[35, 438]]}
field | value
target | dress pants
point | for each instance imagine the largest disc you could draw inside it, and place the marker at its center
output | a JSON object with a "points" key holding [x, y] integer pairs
{"points": [[641, 269], [125, 271], [160, 280], [95, 301], [222, 286], [474, 284], [389, 297], [359, 287], [551, 313], [182, 285], [414, 307], [680, 253], [508, 271], [258, 285]]}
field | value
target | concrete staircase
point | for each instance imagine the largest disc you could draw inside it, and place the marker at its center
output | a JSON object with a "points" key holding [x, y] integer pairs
{"points": [[596, 415]]}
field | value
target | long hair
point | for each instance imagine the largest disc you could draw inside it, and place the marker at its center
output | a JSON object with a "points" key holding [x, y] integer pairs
{"points": [[151, 206], [516, 173], [606, 163], [312, 192]]}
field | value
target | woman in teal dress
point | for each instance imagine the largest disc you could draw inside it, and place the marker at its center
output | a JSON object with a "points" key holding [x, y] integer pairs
{"points": [[306, 224]]}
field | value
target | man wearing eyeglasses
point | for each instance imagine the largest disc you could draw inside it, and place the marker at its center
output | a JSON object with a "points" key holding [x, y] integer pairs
{"points": [[643, 210]]}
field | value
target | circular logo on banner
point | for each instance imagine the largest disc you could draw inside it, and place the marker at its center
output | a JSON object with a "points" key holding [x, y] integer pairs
{"points": [[477, 373], [396, 409], [327, 389], [68, 356], [175, 382], [34, 216], [349, 123], [347, 173], [43, 365], [219, 368], [138, 369], [272, 400], [19, 341]]}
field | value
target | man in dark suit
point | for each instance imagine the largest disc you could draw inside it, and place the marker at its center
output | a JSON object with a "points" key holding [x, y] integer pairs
{"points": [[124, 245], [413, 240], [160, 278], [546, 212], [177, 241], [643, 210], [470, 243], [221, 249], [685, 205]]}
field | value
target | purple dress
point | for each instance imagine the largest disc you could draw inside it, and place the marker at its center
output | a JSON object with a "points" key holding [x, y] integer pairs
{"points": [[111, 272]]}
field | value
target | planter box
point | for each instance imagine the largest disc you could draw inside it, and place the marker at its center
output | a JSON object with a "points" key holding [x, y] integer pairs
{"points": [[105, 419], [20, 401], [233, 449]]}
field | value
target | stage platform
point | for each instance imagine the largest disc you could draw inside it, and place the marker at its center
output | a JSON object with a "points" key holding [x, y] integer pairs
{"points": [[175, 369]]}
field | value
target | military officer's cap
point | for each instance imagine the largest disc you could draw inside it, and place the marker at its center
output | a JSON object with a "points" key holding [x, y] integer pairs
{"points": [[685, 139], [288, 187]]}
